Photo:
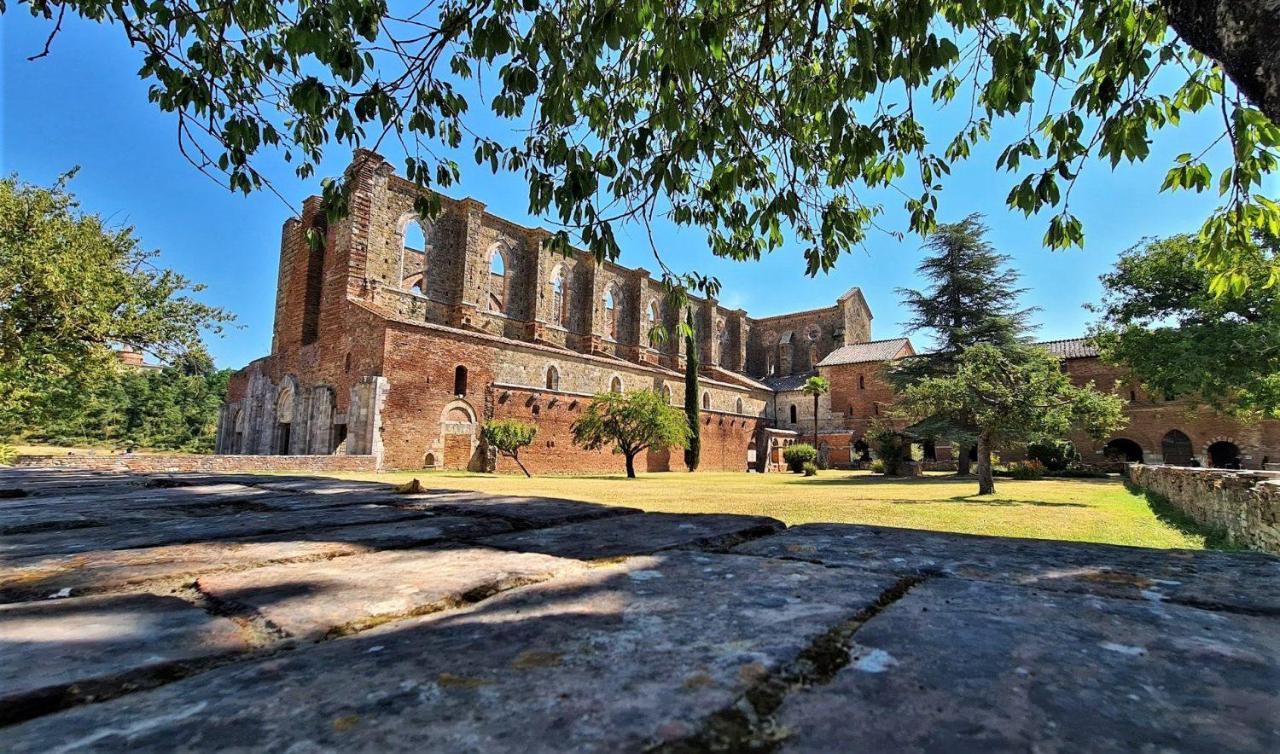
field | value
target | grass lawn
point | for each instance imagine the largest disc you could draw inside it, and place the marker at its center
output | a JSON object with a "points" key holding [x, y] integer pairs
{"points": [[1085, 510]]}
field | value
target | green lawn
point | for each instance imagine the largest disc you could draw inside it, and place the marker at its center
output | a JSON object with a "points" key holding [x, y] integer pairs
{"points": [[1086, 510]]}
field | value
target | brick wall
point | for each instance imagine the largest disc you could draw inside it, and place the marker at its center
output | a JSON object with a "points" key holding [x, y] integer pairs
{"points": [[1245, 506], [192, 463]]}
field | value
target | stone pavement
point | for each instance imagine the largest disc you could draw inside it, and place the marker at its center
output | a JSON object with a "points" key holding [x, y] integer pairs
{"points": [[193, 612]]}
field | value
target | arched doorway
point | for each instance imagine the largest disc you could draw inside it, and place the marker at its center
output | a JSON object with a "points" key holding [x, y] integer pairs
{"points": [[1176, 448], [458, 430], [1224, 454], [1123, 449]]}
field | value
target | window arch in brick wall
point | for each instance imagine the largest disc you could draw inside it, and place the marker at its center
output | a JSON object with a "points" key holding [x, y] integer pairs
{"points": [[553, 378], [497, 282]]}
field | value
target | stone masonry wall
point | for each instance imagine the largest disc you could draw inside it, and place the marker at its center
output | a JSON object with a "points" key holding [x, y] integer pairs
{"points": [[148, 464], [1243, 505]]}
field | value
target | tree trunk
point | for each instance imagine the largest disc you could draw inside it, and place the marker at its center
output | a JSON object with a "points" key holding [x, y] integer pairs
{"points": [[986, 480], [516, 457], [962, 460], [631, 466], [1242, 36], [815, 421]]}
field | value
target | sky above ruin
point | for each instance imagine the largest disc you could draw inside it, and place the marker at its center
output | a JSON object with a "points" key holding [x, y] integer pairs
{"points": [[84, 106]]}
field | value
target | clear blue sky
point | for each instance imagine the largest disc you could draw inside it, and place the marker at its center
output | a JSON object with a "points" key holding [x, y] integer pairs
{"points": [[84, 105]]}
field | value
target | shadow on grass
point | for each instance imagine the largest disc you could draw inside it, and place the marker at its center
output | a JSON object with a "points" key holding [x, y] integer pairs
{"points": [[1170, 515], [875, 479]]}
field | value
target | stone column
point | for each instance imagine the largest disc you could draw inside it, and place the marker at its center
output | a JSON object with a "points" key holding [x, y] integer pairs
{"points": [[364, 417], [474, 270]]}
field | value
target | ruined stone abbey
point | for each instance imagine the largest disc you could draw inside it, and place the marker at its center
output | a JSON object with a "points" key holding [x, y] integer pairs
{"points": [[398, 338]]}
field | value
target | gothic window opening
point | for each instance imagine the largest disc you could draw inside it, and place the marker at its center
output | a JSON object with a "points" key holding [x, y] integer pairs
{"points": [[1175, 447], [497, 296], [706, 401], [611, 312], [553, 378], [413, 259], [651, 321], [724, 343], [666, 393], [793, 413], [737, 406], [615, 385], [862, 382], [460, 381], [559, 304], [315, 281]]}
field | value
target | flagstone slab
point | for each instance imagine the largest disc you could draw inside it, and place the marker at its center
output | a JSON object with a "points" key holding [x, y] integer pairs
{"points": [[100, 642], [638, 534], [613, 658], [1248, 582], [332, 597], [125, 534], [960, 665], [526, 511]]}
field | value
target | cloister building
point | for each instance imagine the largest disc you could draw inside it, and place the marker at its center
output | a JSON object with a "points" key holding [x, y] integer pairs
{"points": [[398, 338]]}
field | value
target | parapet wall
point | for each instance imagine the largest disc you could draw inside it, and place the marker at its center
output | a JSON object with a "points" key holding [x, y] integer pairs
{"points": [[1244, 505], [198, 463]]}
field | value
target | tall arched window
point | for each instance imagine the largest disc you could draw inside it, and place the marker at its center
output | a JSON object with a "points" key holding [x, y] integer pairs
{"points": [[737, 406], [611, 311], [706, 400], [725, 359], [666, 393], [460, 381], [553, 378], [559, 305], [413, 259], [793, 413], [615, 385], [497, 281], [650, 321]]}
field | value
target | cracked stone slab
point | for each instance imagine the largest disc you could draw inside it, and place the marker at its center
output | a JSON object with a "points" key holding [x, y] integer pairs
{"points": [[637, 534], [315, 600], [527, 511], [179, 529], [1248, 582], [973, 666], [611, 658], [412, 532], [95, 643], [113, 570]]}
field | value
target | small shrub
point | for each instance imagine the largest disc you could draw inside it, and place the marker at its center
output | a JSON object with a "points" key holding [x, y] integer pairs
{"points": [[1080, 471], [810, 469], [796, 456], [877, 466], [1055, 455], [890, 446], [1026, 470], [8, 454]]}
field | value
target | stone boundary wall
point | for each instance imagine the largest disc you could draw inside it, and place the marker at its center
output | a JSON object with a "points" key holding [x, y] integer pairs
{"points": [[1245, 505], [200, 463]]}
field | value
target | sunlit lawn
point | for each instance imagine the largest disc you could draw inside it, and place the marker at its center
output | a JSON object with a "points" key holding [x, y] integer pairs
{"points": [[1087, 510]]}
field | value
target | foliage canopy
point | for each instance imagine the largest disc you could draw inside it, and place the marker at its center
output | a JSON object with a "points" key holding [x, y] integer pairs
{"points": [[630, 423], [1015, 394], [754, 120], [1158, 320], [72, 290], [508, 436]]}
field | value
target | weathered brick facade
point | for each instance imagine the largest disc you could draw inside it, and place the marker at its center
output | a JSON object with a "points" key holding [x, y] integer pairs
{"points": [[385, 349]]}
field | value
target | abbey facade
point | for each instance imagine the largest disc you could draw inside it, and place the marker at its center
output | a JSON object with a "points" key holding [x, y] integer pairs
{"points": [[398, 338]]}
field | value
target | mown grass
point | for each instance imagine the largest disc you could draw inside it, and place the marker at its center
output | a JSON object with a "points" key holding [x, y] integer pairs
{"points": [[1084, 510]]}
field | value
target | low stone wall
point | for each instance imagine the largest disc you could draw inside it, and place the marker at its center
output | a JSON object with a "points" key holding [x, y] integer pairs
{"points": [[1243, 505], [198, 463]]}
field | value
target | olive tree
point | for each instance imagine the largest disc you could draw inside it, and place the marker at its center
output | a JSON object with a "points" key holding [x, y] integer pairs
{"points": [[630, 423]]}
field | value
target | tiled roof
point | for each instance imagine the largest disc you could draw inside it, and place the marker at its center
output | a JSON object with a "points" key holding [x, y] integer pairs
{"points": [[781, 383], [858, 353], [1070, 348]]}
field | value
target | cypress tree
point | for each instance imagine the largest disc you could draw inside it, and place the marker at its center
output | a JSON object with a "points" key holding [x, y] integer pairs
{"points": [[693, 449], [973, 299]]}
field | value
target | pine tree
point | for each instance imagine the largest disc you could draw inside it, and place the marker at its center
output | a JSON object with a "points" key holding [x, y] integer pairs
{"points": [[693, 449], [973, 299]]}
